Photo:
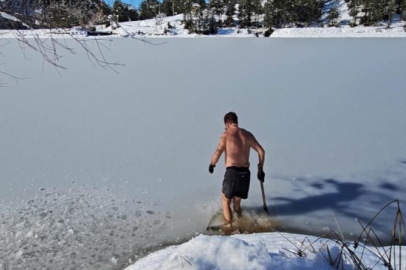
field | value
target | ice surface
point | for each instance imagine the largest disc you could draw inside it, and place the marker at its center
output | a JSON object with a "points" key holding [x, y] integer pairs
{"points": [[82, 227], [330, 114]]}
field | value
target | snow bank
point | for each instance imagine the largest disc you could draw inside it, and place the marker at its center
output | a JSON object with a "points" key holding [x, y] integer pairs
{"points": [[254, 252], [205, 252]]}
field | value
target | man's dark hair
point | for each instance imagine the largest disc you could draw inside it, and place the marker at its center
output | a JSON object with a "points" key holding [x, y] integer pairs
{"points": [[231, 118]]}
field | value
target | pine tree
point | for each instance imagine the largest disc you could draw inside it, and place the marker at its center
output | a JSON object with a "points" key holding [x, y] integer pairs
{"points": [[284, 12], [309, 12], [269, 14], [124, 11], [193, 16], [378, 7], [315, 11], [245, 11], [333, 13], [167, 7], [230, 12], [188, 16], [298, 11], [354, 7], [217, 8], [402, 9], [302, 12], [149, 9], [388, 10], [371, 9], [258, 10], [209, 25], [178, 6]]}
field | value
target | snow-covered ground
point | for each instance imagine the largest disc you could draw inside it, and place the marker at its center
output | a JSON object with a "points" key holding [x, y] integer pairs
{"points": [[395, 31], [164, 27], [344, 30], [267, 251], [157, 27]]}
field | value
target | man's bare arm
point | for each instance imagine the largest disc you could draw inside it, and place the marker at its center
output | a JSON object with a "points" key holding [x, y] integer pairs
{"points": [[220, 149], [261, 152]]}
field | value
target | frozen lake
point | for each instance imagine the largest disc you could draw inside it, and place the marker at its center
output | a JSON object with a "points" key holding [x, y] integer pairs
{"points": [[97, 167]]}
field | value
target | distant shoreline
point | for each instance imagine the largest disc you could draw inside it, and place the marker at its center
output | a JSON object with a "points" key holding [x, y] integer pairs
{"points": [[310, 32]]}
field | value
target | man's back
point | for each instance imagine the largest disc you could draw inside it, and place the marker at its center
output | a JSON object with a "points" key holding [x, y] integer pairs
{"points": [[238, 142]]}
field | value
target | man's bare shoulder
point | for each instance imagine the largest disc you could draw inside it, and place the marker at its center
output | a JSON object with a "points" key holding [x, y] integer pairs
{"points": [[246, 132], [223, 135]]}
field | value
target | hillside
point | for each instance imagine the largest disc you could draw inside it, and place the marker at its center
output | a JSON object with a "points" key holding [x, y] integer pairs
{"points": [[174, 26]]}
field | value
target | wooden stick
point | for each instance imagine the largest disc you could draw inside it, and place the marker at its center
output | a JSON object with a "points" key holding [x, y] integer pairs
{"points": [[263, 197]]}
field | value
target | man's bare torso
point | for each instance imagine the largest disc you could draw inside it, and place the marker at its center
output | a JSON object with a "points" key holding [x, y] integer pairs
{"points": [[238, 142]]}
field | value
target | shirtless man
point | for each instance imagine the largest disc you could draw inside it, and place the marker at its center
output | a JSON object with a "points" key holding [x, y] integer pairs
{"points": [[236, 142]]}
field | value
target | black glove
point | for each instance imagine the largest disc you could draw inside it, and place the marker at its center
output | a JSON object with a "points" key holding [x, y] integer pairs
{"points": [[211, 168], [261, 174]]}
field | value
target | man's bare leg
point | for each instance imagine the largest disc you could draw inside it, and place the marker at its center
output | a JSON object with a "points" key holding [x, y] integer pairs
{"points": [[226, 208], [237, 205]]}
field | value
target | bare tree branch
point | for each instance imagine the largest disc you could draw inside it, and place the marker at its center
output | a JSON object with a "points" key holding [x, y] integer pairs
{"points": [[49, 46], [48, 31], [11, 76]]}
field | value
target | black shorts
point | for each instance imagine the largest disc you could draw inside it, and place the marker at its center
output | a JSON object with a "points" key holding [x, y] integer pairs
{"points": [[236, 182]]}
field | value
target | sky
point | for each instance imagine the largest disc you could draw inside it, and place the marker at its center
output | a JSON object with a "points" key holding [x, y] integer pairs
{"points": [[135, 3]]}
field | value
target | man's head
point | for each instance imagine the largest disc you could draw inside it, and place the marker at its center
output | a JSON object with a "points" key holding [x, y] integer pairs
{"points": [[231, 118]]}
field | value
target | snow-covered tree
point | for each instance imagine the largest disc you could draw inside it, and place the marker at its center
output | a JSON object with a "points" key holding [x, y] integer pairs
{"points": [[354, 8], [217, 7], [192, 17], [200, 20], [124, 12], [333, 13]]}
